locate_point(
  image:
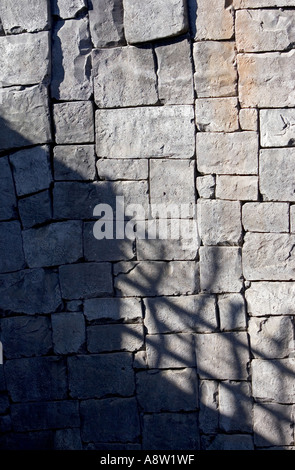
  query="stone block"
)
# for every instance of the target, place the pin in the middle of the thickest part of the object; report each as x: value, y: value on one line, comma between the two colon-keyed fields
x: 217, y: 114
x: 270, y: 298
x: 106, y: 22
x: 162, y: 131
x: 277, y: 185
x: 100, y: 375
x: 11, y: 248
x: 68, y: 332
x: 67, y: 439
x: 71, y: 60
x: 170, y: 351
x: 67, y: 8
x: 213, y: 22
x: 219, y: 222
x: 273, y: 380
x: 36, y: 379
x: 7, y: 191
x: 269, y: 257
x: 167, y: 390
x: 271, y: 337
x: 74, y: 122
x: 180, y: 314
x: 17, y: 51
x: 220, y: 269
x: 261, y: 81
x: 223, y: 356
x: 151, y: 278
x: 233, y: 153
x: 208, y: 414
x: 124, y: 169
x: 82, y: 281
x: 26, y: 336
x: 261, y: 3
x: 107, y: 338
x: 206, y: 186
x: 31, y: 170
x: 175, y: 73
x: 35, y: 209
x: 266, y: 217
x: 155, y: 19
x: 110, y: 420
x: 277, y: 127
x: 74, y: 162
x: 272, y: 424
x: 124, y: 76
x: 248, y: 118
x: 242, y: 188
x: 113, y: 309
x: 216, y: 74
x: 235, y: 406
x: 24, y: 17
x: 25, y: 117
x: 232, y: 312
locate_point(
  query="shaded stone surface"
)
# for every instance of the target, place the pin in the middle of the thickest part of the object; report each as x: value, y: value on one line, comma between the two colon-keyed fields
x: 106, y: 22
x: 24, y: 16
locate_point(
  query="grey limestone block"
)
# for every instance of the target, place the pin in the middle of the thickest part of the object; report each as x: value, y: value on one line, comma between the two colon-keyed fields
x: 270, y: 298
x: 74, y: 122
x: 11, y: 247
x: 106, y: 22
x: 277, y: 127
x: 170, y: 351
x: 266, y: 217
x: 113, y: 309
x: 208, y: 414
x: 68, y: 332
x: 271, y: 423
x: 217, y: 114
x: 122, y: 169
x: 7, y: 191
x: 271, y: 338
x: 232, y: 312
x: 235, y: 406
x: 212, y: 21
x: 35, y: 209
x: 23, y: 16
x: 273, y: 380
x: 67, y: 8
x: 277, y: 185
x: 85, y: 280
x: 234, y: 187
x: 74, y: 162
x: 108, y: 338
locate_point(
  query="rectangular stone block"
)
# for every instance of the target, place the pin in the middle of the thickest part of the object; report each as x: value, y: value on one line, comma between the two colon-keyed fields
x: 270, y: 298
x: 272, y: 425
x: 269, y: 257
x: 74, y: 162
x: 216, y: 74
x: 213, y: 22
x: 106, y: 22
x: 277, y: 185
x: 180, y: 314
x: 107, y: 338
x: 74, y: 122
x: 124, y: 169
x: 232, y: 312
x: 85, y: 280
x: 273, y: 380
x: 277, y: 127
x: 271, y: 337
x: 220, y: 269
x: 155, y: 19
x: 206, y: 186
x: 11, y: 247
x: 208, y: 414
x: 170, y: 351
x: 223, y: 356
x: 217, y: 114
x: 227, y: 154
x: 35, y: 209
x: 261, y: 80
x: 24, y: 16
x: 68, y: 332
x: 7, y: 191
x: 67, y: 8
x: 265, y: 217
x: 145, y: 132
x: 241, y: 188
x: 235, y: 406
x: 113, y: 309
x: 248, y: 118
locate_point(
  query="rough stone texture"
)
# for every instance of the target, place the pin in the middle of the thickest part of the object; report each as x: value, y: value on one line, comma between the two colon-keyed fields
x: 74, y: 122
x: 241, y: 188
x: 208, y: 415
x: 265, y: 217
x: 272, y: 425
x: 24, y: 16
x: 218, y: 24
x: 274, y: 380
x: 68, y: 332
x: 271, y: 337
x: 106, y: 22
x: 11, y: 249
x: 217, y: 114
x: 67, y: 8
x: 170, y: 351
x: 35, y: 209
x: 107, y: 338
x: 105, y: 249
x: 248, y: 118
x: 235, y: 402
x: 111, y: 309
x: 219, y: 222
x: 84, y: 280
x: 232, y: 153
x: 74, y: 162
x: 261, y: 81
x: 277, y: 185
x: 270, y: 298
x: 262, y: 3
x: 124, y: 76
x: 155, y: 19
x: 220, y: 269
x: 7, y: 191
x: 206, y: 186
x: 216, y: 73
x: 232, y: 312
x: 71, y: 60
x: 122, y: 133
x: 277, y: 127
x: 19, y: 50
x: 124, y: 169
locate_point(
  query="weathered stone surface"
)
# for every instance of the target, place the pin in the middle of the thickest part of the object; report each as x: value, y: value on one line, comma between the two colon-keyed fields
x: 223, y: 356
x: 270, y: 298
x: 124, y: 76
x: 7, y: 191
x: 25, y: 117
x: 99, y: 375
x: 180, y: 314
x: 217, y: 114
x: 241, y: 188
x: 262, y: 3
x: 150, y: 278
x: 154, y: 19
x: 261, y: 81
x: 68, y: 332
x: 124, y: 169
x: 220, y: 269
x: 272, y: 424
x: 206, y: 186
x: 74, y: 162
x: 17, y: 51
x: 107, y: 338
x: 53, y: 244
x: 26, y: 336
x: 82, y: 281
x: 35, y: 209
x: 31, y: 170
x: 73, y: 122
x: 232, y: 312
x: 277, y: 127
x: 213, y: 22
x: 67, y: 8
x: 277, y: 185
x: 170, y: 351
x: 113, y: 309
x: 264, y: 30
x: 42, y: 286
x: 208, y: 414
x: 71, y: 60
x: 106, y: 22
x: 123, y: 133
x: 24, y: 16
x: 36, y: 379
x: 232, y: 153
x: 270, y: 337
x: 273, y: 380
x: 11, y: 249
x: 175, y: 73
x: 235, y: 406
x: 110, y: 420
x: 292, y: 219
x: 167, y: 390
x: 216, y: 73
x: 269, y: 256
x: 219, y: 222
x: 266, y: 217
x: 248, y: 118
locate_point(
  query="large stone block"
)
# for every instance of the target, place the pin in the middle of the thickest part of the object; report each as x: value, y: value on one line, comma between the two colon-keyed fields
x: 208, y: 414
x: 270, y: 298
x: 74, y: 122
x: 266, y: 217
x: 35, y: 209
x: 271, y: 337
x: 67, y: 8
x: 266, y: 80
x: 82, y: 281
x: 11, y: 247
x: 217, y: 114
x: 107, y: 338
x: 155, y: 19
x: 68, y: 332
x: 212, y: 21
x: 277, y: 127
x: 123, y: 169
x: 272, y: 425
x: 232, y: 312
x: 113, y: 309
x: 277, y: 185
x: 273, y: 380
x: 71, y: 60
x: 146, y: 132
x: 106, y: 22
x: 24, y: 16
x: 7, y: 191
x: 124, y: 76
x: 220, y: 269
x: 74, y: 162
x: 241, y: 188
x: 17, y: 51
x: 235, y: 406
x: 170, y: 351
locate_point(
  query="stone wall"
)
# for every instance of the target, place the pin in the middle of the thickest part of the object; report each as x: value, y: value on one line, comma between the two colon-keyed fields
x: 139, y: 343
